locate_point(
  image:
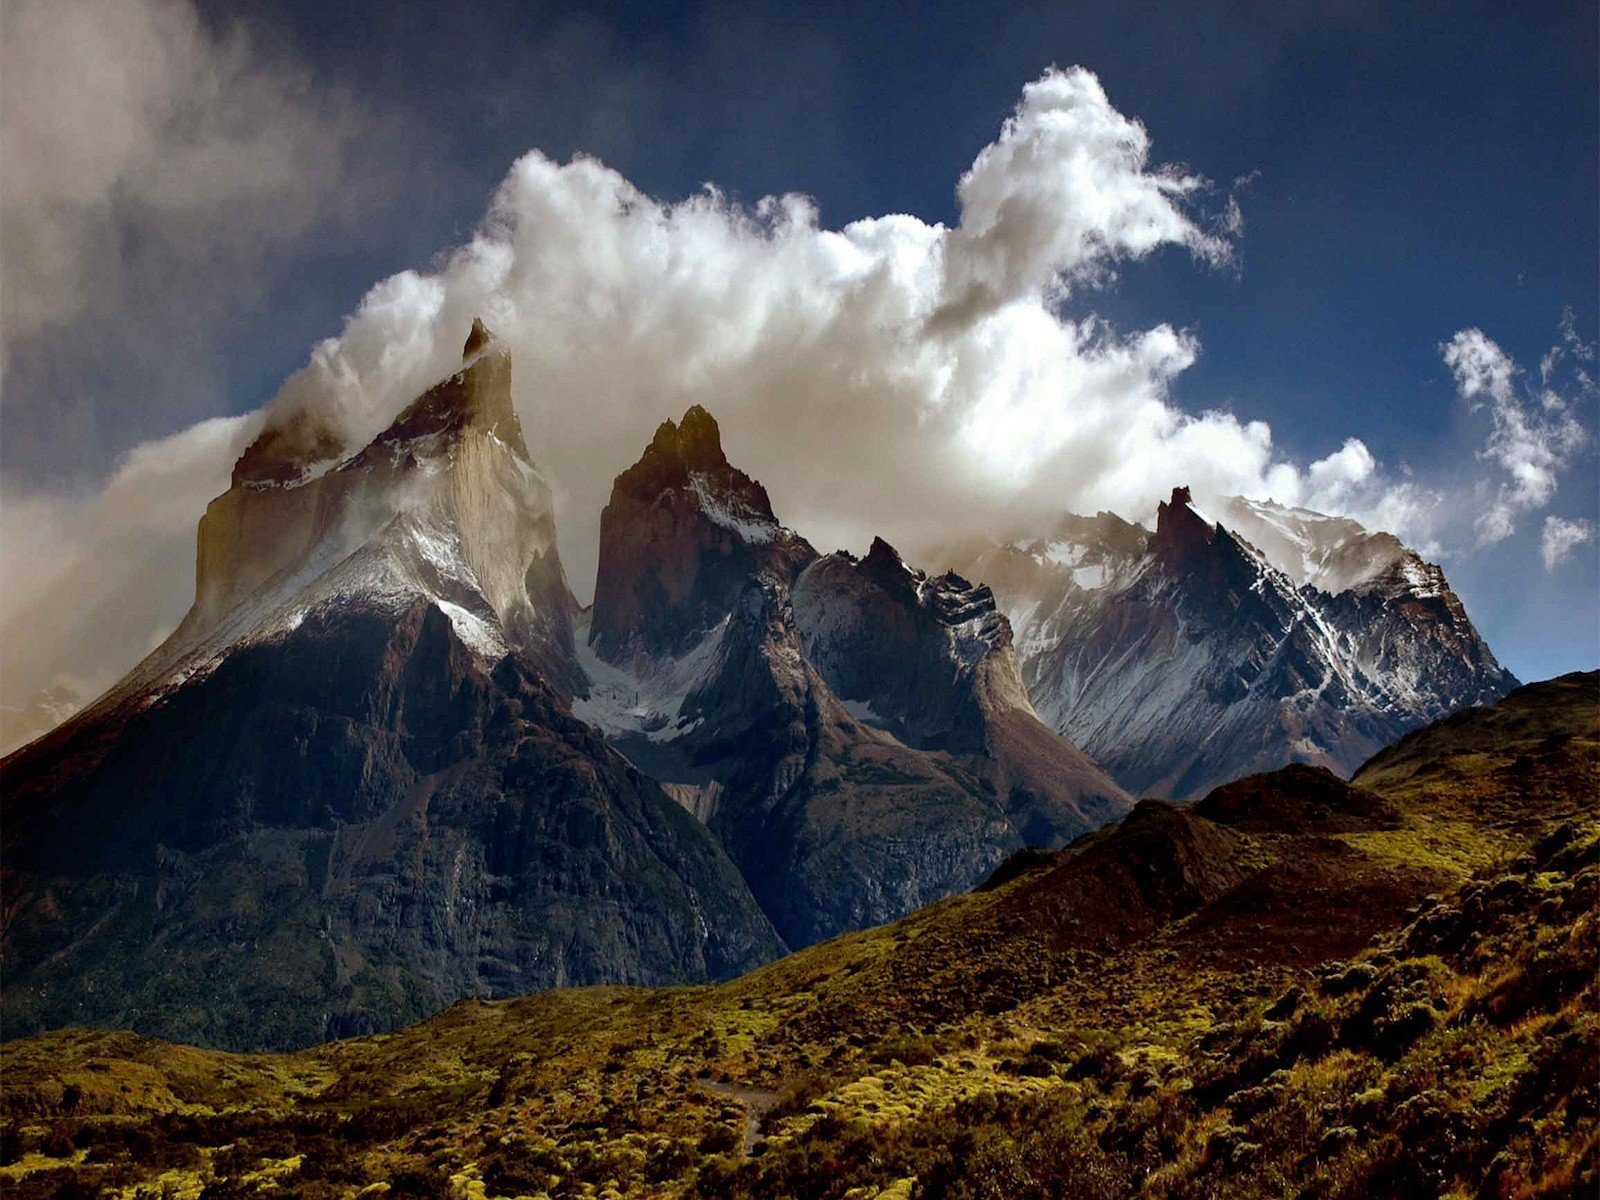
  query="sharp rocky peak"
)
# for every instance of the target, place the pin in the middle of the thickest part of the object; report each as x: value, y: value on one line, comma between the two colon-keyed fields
x: 950, y: 597
x: 683, y: 532
x: 687, y: 453
x: 444, y: 503
x: 477, y: 395
x: 1180, y: 531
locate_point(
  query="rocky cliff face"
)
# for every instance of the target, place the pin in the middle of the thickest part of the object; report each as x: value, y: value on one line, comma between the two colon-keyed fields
x: 1188, y: 656
x: 683, y: 534
x: 445, y: 502
x: 348, y: 791
x: 855, y: 733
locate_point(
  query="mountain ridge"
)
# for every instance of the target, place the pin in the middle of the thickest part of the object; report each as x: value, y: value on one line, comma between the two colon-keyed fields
x: 358, y: 768
x: 1183, y: 657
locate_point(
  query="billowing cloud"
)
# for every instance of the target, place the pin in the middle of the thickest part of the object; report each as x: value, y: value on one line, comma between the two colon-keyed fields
x: 894, y: 376
x: 1561, y: 537
x: 1533, y: 435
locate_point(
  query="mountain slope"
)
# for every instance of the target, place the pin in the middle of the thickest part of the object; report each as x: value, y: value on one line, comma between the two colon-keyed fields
x: 855, y: 733
x: 347, y: 791
x: 1203, y: 1000
x: 1184, y: 657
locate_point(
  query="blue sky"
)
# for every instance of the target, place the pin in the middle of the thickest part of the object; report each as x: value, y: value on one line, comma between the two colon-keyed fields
x: 1404, y: 172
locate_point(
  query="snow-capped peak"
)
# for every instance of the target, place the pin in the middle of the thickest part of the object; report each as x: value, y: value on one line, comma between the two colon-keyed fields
x: 1332, y: 554
x: 443, y: 505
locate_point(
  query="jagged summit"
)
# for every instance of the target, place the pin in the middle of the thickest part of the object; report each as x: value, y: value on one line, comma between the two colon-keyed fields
x: 1187, y: 656
x: 688, y: 454
x: 1180, y: 531
x: 477, y: 396
x: 445, y: 504
x: 291, y: 450
x: 478, y: 338
x: 683, y: 533
x: 953, y: 601
x: 930, y: 655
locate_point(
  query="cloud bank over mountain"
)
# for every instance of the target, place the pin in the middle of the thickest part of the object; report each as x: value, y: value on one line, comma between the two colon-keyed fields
x: 893, y: 376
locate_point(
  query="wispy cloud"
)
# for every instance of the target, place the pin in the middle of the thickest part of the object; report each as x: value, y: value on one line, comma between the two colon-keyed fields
x: 1561, y: 538
x: 1534, y: 432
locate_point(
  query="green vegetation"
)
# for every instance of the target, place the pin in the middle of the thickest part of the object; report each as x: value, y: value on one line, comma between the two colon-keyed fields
x: 1177, y: 1007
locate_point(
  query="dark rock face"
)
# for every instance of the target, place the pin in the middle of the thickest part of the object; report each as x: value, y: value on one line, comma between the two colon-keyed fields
x: 856, y: 734
x: 1184, y: 658
x: 931, y: 658
x: 835, y: 824
x: 929, y: 655
x: 683, y: 534
x: 345, y: 830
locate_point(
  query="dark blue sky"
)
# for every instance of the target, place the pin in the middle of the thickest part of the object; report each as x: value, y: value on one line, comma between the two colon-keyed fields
x: 1408, y: 170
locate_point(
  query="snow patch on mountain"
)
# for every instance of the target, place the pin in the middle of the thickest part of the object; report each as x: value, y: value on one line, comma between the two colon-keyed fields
x: 729, y: 511
x: 645, y: 696
x: 1205, y: 650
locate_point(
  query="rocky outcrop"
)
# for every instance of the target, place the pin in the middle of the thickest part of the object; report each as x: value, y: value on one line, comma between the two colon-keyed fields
x: 856, y: 734
x: 349, y: 792
x: 448, y: 489
x: 682, y: 535
x: 930, y: 656
x: 1186, y: 657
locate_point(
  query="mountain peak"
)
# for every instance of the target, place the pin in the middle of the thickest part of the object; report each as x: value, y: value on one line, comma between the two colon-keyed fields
x: 477, y: 340
x: 1179, y: 529
x: 881, y: 556
x: 683, y: 532
x: 692, y: 444
x: 476, y: 396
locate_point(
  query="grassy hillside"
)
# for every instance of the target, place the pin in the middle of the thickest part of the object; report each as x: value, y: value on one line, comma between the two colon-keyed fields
x: 1296, y: 986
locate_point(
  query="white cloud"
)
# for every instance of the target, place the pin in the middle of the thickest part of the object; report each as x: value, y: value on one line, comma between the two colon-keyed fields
x: 1561, y: 538
x: 1532, y: 438
x: 894, y: 376
x: 1063, y: 194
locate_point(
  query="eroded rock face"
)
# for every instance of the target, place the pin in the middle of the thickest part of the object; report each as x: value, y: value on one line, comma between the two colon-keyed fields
x: 349, y: 791
x: 1187, y: 657
x: 449, y: 489
x: 930, y: 656
x: 683, y: 534
x: 343, y: 830
x: 856, y: 734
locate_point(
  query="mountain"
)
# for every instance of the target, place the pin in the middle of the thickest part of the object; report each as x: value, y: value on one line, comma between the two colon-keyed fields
x: 348, y: 790
x: 1369, y: 990
x: 1187, y: 656
x: 855, y: 732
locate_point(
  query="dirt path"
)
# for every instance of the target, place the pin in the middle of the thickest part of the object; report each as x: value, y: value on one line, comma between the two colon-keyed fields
x: 756, y: 1102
